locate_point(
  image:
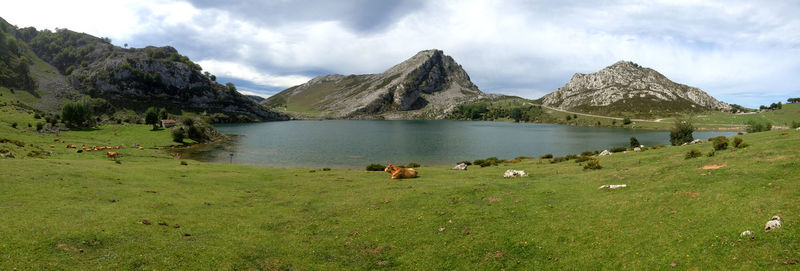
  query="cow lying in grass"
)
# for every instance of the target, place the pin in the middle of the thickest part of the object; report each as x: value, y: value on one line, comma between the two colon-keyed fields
x: 400, y: 173
x: 112, y: 154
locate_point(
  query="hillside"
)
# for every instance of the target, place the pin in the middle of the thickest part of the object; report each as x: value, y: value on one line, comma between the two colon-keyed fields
x: 66, y: 65
x: 68, y: 210
x: 627, y: 89
x: 429, y: 85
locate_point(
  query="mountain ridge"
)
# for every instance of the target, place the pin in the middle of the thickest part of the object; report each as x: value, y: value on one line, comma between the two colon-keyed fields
x: 630, y: 88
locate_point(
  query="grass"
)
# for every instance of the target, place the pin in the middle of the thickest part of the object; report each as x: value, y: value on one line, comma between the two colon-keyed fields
x: 83, y: 211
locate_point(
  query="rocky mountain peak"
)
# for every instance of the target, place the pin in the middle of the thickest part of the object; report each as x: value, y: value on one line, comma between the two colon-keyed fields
x: 629, y: 87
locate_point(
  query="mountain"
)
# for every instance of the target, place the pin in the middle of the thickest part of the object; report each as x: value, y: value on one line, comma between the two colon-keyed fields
x: 625, y: 88
x: 429, y: 85
x: 67, y: 65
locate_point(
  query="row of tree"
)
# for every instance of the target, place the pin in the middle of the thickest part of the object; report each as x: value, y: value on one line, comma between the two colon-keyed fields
x: 773, y: 106
x: 793, y: 100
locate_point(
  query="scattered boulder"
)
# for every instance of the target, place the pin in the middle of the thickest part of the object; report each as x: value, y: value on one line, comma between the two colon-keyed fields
x: 773, y: 224
x: 747, y: 234
x: 461, y: 166
x: 513, y: 173
x: 612, y: 186
x: 605, y: 152
x: 637, y: 149
x: 696, y: 141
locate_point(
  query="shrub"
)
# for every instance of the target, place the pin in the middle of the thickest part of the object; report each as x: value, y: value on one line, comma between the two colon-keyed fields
x: 582, y: 159
x: 739, y: 133
x: 76, y: 113
x: 795, y: 124
x: 570, y: 157
x: 693, y: 153
x: 188, y: 121
x: 756, y: 126
x: 634, y: 142
x: 465, y: 162
x: 737, y: 142
x: 558, y: 160
x: 587, y: 153
x: 151, y: 117
x: 375, y: 167
x: 491, y: 161
x: 412, y: 165
x: 657, y: 147
x: 711, y: 153
x: 326, y: 169
x: 14, y: 125
x: 681, y: 132
x: 183, y: 163
x: 592, y: 164
x: 618, y: 149
x: 39, y: 126
x: 178, y: 135
x: 546, y: 156
x: 626, y: 121
x: 720, y: 143
x: 478, y: 162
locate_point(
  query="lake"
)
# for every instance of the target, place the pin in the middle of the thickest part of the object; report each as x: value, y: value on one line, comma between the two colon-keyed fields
x: 356, y: 143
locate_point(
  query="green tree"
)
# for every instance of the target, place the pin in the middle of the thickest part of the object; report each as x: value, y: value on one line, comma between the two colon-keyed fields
x: 626, y: 121
x: 231, y: 87
x: 516, y: 114
x: 76, y: 114
x: 681, y: 132
x: 634, y: 142
x: 162, y: 114
x: 151, y: 117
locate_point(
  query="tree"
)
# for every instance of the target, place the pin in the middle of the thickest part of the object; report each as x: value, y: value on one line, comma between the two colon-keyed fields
x: 76, y: 114
x: 634, y: 142
x: 162, y: 114
x: 151, y: 117
x: 231, y: 87
x: 516, y: 114
x: 681, y: 132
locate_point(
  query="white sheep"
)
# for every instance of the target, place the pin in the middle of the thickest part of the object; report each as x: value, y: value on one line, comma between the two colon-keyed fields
x: 747, y: 234
x: 773, y: 224
x: 511, y: 173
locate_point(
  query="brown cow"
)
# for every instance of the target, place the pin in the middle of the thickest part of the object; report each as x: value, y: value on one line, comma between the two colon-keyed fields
x: 400, y: 173
x: 112, y: 154
x: 70, y: 146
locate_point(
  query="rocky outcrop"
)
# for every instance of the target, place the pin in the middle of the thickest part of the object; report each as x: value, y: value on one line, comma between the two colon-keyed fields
x: 628, y: 87
x: 428, y: 85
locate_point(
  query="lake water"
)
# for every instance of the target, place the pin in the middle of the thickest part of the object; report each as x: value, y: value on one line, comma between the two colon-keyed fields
x: 356, y: 143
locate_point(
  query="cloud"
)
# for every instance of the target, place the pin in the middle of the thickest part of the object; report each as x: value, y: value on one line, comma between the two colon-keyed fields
x: 735, y: 50
x: 244, y: 72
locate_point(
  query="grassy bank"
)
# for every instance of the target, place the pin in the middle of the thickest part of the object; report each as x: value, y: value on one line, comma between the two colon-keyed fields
x: 69, y: 210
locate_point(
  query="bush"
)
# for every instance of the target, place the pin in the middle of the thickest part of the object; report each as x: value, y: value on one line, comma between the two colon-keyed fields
x: 720, y: 143
x: 634, y: 142
x: 39, y: 126
x: 151, y: 117
x: 756, y: 126
x: 657, y: 147
x: 478, y: 162
x: 326, y: 169
x: 491, y: 161
x: 582, y: 159
x: 626, y: 121
x: 681, y: 132
x: 76, y: 114
x: 711, y: 153
x: 618, y: 149
x: 693, y: 153
x: 587, y: 153
x: 14, y: 125
x: 795, y: 124
x: 413, y: 165
x: 375, y: 167
x: 592, y: 164
x: 558, y: 160
x: 737, y: 142
x: 570, y: 157
x: 178, y: 135
x: 546, y: 156
x: 465, y: 162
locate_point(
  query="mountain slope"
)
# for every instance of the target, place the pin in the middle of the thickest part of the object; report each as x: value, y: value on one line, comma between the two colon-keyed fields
x: 428, y: 85
x: 130, y: 78
x: 626, y: 88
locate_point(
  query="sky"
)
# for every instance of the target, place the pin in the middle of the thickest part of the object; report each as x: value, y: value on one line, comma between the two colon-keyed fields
x: 742, y: 52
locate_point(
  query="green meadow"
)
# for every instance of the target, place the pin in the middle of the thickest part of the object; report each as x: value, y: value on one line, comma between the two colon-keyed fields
x: 66, y: 210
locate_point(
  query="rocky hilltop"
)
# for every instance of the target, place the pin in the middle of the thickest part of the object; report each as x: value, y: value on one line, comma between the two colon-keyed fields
x: 627, y: 88
x: 429, y: 85
x: 129, y: 78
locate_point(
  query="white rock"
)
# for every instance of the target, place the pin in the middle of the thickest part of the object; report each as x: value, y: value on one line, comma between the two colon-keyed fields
x: 773, y: 224
x: 637, y: 149
x: 512, y: 173
x: 747, y: 234
x: 612, y: 186
x: 461, y: 166
x: 605, y: 152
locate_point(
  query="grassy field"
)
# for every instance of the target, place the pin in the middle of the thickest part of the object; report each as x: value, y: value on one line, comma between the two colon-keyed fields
x: 70, y: 210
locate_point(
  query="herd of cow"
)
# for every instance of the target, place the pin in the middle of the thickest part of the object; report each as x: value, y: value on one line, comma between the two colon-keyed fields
x: 84, y: 148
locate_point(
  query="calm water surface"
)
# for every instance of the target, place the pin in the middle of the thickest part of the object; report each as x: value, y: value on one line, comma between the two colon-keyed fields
x: 356, y: 143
